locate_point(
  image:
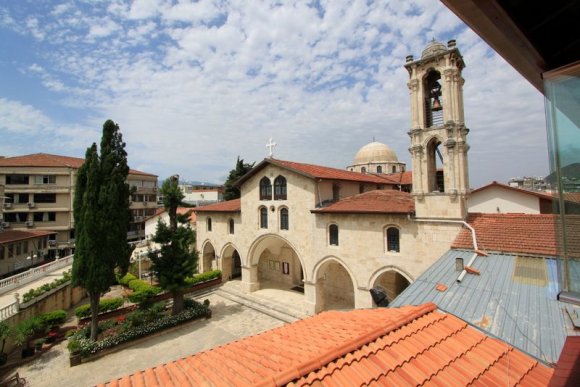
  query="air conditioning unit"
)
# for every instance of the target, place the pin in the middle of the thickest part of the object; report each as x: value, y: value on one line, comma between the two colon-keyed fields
x: 7, y: 205
x: 5, y: 224
x: 154, y: 189
x: 31, y: 205
x: 138, y: 218
x: 145, y: 204
x: 51, y: 242
x: 29, y: 223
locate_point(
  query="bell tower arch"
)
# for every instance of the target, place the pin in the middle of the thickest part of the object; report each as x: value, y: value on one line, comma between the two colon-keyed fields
x: 438, y: 133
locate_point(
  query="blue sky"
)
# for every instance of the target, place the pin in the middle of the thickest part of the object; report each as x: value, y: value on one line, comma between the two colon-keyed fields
x: 195, y: 84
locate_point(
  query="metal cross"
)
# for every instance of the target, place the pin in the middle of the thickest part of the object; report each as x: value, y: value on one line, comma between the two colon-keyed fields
x: 271, y: 146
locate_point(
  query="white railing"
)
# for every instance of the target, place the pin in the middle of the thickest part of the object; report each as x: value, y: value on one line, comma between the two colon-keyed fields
x: 8, y: 311
x: 14, y: 282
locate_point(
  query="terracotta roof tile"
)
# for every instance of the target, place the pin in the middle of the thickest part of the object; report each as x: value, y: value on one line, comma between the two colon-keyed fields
x: 411, y: 345
x: 541, y: 195
x: 8, y: 236
x: 319, y: 172
x: 49, y: 160
x: 377, y: 201
x: 402, y: 178
x: 533, y: 234
x: 227, y: 206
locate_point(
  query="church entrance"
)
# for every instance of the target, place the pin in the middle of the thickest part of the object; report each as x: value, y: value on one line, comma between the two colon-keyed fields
x: 392, y: 282
x: 208, y: 258
x: 231, y: 264
x: 334, y: 287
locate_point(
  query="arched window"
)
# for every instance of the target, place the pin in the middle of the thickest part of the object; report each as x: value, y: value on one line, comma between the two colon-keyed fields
x: 265, y: 189
x: 394, y: 169
x: 284, y: 221
x: 363, y: 170
x: 231, y: 226
x: 379, y: 169
x: 208, y: 224
x: 263, y: 217
x: 435, y: 175
x: 393, y: 244
x: 280, y: 188
x: 333, y: 235
x: 433, y: 100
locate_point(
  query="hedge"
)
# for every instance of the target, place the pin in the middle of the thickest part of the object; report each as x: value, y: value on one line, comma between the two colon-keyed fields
x: 105, y: 305
x: 37, y: 292
x: 126, y: 279
x: 207, y: 276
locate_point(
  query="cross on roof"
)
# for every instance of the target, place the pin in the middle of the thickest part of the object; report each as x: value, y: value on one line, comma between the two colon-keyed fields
x: 270, y: 145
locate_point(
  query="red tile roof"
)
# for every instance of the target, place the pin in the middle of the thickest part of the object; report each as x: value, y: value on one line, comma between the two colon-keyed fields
x: 403, y: 178
x: 8, y: 236
x: 533, y: 234
x: 48, y: 160
x: 411, y: 345
x: 567, y: 371
x: 541, y: 195
x: 377, y: 201
x: 319, y: 172
x: 227, y: 206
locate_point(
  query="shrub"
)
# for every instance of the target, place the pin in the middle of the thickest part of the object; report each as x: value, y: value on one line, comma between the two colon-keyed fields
x: 105, y: 305
x: 207, y: 276
x: 126, y: 279
x: 50, y: 319
x: 33, y: 293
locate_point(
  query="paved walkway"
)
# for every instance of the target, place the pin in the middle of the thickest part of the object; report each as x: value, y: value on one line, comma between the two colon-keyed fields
x: 230, y: 321
x: 8, y: 298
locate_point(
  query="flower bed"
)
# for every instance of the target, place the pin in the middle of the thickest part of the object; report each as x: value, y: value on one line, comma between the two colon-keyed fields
x: 115, y: 334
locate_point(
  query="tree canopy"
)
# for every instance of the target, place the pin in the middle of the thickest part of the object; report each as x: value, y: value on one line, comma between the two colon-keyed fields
x: 102, y: 215
x: 231, y: 192
x: 176, y: 258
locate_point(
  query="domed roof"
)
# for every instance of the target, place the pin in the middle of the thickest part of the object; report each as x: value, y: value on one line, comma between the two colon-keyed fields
x: 433, y: 48
x: 375, y: 152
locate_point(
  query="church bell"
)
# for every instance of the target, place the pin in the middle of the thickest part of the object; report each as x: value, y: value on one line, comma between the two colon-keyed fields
x: 436, y: 105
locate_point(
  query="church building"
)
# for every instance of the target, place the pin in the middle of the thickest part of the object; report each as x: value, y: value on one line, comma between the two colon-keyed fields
x: 334, y: 234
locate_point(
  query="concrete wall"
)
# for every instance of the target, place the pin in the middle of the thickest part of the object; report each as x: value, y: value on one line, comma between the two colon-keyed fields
x: 494, y: 200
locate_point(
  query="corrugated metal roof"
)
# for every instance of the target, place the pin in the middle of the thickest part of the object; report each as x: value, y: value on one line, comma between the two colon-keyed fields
x: 524, y: 313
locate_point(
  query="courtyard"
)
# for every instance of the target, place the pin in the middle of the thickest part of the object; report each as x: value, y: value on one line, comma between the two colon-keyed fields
x: 230, y: 321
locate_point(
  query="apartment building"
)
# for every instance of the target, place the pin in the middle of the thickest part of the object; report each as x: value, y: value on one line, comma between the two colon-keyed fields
x: 39, y: 192
x: 202, y: 194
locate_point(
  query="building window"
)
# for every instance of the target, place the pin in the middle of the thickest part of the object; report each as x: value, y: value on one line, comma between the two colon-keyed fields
x: 44, y: 198
x: 44, y: 216
x: 1, y: 252
x: 208, y: 224
x: 335, y: 192
x: 280, y: 188
x: 16, y: 179
x: 284, y: 221
x: 394, y: 169
x: 333, y: 235
x: 363, y: 170
x: 231, y: 226
x: 265, y: 189
x: 393, y: 244
x: 46, y: 179
x: 263, y: 217
x: 379, y: 169
x: 11, y: 250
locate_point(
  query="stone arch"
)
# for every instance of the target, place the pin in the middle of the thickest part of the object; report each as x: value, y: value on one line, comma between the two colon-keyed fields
x: 435, y: 175
x: 274, y: 262
x: 231, y: 262
x: 208, y: 255
x: 335, y: 285
x: 392, y: 279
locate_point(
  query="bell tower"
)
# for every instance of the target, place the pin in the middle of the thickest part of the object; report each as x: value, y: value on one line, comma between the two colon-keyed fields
x: 438, y: 133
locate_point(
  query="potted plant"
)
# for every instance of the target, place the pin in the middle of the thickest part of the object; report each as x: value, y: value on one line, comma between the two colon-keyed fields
x: 75, y: 352
x: 38, y: 343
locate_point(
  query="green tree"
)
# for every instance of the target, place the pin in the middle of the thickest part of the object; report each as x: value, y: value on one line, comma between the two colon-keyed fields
x: 231, y: 192
x: 176, y: 259
x: 102, y: 215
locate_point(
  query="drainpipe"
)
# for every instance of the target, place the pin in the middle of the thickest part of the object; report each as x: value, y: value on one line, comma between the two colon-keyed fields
x: 465, y: 224
x: 318, y: 189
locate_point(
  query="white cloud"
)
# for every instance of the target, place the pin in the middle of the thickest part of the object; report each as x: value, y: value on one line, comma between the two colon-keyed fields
x: 191, y: 96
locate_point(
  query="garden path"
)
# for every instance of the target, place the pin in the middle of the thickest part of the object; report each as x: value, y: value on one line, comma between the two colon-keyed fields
x: 230, y: 321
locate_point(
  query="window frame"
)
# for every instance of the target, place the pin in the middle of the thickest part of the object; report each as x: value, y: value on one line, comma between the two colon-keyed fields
x: 333, y: 236
x: 284, y: 219
x: 263, y: 217
x: 265, y: 189
x: 389, y: 242
x: 208, y: 224
x: 231, y: 226
x: 280, y: 188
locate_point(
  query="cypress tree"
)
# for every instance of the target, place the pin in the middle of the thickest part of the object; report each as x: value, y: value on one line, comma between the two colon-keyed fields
x: 177, y: 258
x: 101, y: 213
x: 231, y: 192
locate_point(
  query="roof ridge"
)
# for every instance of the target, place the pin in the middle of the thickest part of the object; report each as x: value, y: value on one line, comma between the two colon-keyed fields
x: 316, y: 363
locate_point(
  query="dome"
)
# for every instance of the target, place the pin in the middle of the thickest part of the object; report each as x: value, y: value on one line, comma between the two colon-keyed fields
x: 375, y: 152
x: 433, y: 48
